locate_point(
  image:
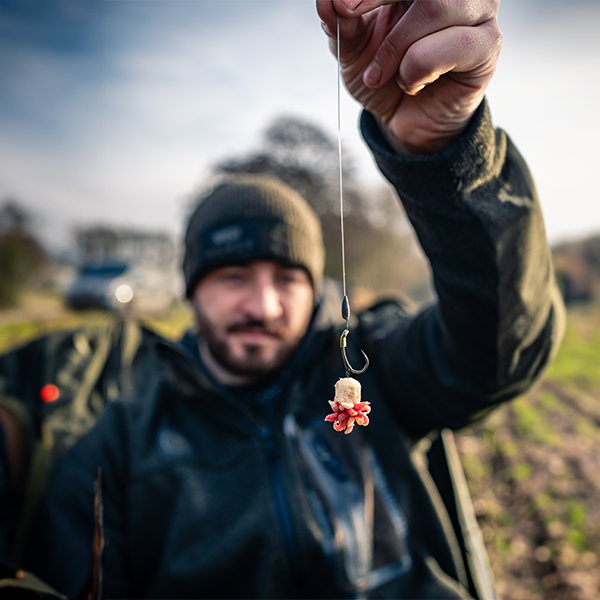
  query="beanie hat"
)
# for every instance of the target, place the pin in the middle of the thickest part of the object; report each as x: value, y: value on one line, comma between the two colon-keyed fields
x: 253, y: 218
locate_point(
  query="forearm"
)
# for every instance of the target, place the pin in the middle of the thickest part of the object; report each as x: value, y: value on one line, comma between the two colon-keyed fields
x: 498, y: 318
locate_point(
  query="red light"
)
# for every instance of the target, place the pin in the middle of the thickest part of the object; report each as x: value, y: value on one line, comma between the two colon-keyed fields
x: 49, y: 393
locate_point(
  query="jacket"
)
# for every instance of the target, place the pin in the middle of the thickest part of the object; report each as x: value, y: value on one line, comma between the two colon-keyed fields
x: 219, y: 492
x: 83, y: 368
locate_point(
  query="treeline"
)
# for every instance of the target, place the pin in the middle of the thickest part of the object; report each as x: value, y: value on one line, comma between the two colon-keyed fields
x: 23, y: 260
x: 25, y: 263
x: 577, y: 266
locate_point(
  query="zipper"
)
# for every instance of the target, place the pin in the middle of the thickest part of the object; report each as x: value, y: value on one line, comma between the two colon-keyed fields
x: 282, y: 506
x: 257, y: 426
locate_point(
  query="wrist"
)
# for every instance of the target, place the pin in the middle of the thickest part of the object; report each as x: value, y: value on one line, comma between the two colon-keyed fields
x: 422, y: 144
x: 469, y: 159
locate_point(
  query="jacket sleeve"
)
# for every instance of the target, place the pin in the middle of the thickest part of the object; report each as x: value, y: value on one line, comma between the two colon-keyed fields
x: 61, y: 548
x: 499, y: 317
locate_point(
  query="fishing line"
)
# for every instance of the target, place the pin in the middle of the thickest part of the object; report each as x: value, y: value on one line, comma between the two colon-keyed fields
x: 345, y: 301
x: 339, y: 126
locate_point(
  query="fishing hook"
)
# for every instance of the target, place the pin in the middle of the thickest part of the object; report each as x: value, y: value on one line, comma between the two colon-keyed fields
x: 347, y: 365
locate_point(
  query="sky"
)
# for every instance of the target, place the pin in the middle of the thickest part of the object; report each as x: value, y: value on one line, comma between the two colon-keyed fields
x: 113, y: 111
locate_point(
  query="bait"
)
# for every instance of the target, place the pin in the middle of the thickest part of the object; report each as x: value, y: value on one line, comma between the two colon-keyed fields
x: 348, y: 410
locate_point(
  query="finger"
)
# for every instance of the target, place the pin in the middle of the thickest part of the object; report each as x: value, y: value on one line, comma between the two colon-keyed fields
x: 354, y: 8
x: 350, y: 29
x: 424, y: 18
x: 355, y: 34
x: 330, y: 10
x: 469, y: 53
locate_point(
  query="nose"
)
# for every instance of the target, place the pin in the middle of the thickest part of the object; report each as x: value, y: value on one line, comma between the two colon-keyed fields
x: 263, y: 302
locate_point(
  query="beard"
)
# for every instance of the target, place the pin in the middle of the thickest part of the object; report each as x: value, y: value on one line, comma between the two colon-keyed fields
x: 254, y: 361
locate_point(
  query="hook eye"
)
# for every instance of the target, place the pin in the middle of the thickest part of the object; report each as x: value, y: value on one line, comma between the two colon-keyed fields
x: 347, y: 364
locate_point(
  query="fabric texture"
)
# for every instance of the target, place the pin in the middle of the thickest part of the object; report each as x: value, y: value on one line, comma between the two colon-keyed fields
x: 208, y: 496
x: 88, y: 367
x: 250, y: 218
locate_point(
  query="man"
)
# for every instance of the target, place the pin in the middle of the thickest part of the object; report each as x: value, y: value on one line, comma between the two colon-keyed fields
x: 223, y: 479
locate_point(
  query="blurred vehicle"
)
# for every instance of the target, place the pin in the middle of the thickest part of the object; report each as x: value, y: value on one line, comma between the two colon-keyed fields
x: 122, y: 287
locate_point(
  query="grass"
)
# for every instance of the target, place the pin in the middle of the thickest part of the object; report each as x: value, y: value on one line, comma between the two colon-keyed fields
x: 578, y: 359
x: 532, y: 423
x: 538, y: 459
x: 43, y: 313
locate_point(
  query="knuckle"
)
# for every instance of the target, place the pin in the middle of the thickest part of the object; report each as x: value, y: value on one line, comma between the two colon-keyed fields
x: 390, y: 53
x: 490, y: 9
x: 493, y: 33
x: 432, y: 10
x: 494, y: 5
x: 499, y: 40
x: 472, y: 10
x: 469, y: 40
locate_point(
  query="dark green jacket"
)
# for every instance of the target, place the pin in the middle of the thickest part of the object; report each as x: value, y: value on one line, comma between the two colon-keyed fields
x: 88, y: 367
x: 210, y: 492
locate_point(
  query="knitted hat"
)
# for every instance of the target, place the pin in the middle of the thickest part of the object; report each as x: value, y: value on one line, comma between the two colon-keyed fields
x: 253, y: 218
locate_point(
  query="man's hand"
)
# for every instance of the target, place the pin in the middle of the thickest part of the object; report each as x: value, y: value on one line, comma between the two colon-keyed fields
x: 420, y: 67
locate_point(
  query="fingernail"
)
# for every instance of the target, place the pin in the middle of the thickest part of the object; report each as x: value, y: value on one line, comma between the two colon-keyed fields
x: 351, y: 4
x: 373, y: 74
x: 326, y: 29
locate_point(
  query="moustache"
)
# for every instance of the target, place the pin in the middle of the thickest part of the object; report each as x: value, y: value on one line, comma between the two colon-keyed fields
x: 268, y: 327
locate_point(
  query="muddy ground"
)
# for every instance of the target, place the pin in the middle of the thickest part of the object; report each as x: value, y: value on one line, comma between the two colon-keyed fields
x: 533, y: 469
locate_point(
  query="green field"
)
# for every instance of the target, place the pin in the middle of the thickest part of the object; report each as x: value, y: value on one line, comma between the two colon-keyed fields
x: 43, y: 313
x: 533, y: 466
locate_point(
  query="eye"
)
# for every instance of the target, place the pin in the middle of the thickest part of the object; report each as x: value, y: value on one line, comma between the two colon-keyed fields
x: 287, y: 278
x: 290, y: 276
x: 232, y: 274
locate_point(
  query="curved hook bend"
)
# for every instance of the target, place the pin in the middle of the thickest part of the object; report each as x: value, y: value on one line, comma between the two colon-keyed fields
x: 347, y: 365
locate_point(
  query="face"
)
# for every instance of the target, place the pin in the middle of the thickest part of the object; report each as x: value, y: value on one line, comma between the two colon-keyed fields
x: 251, y: 318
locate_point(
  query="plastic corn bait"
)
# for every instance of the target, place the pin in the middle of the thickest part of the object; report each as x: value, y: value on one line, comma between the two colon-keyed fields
x: 348, y: 410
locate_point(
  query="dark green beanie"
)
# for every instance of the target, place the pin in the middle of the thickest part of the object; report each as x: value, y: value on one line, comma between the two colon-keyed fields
x: 253, y: 218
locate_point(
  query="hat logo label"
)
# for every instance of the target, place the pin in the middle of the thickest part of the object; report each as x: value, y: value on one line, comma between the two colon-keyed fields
x: 227, y: 235
x: 279, y: 240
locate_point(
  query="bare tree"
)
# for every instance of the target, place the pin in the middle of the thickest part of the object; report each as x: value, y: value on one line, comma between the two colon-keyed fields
x: 381, y: 250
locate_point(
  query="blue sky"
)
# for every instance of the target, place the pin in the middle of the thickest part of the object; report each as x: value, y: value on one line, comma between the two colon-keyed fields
x: 114, y: 110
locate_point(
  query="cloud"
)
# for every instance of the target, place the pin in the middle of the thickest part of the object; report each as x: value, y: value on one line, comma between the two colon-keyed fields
x: 114, y: 110
x: 106, y: 134
x: 545, y: 96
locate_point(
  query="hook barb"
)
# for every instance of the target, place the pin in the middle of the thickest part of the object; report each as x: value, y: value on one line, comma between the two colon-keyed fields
x: 347, y: 364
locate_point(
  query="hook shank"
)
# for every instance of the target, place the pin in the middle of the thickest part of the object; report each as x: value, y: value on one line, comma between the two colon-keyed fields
x: 347, y: 364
